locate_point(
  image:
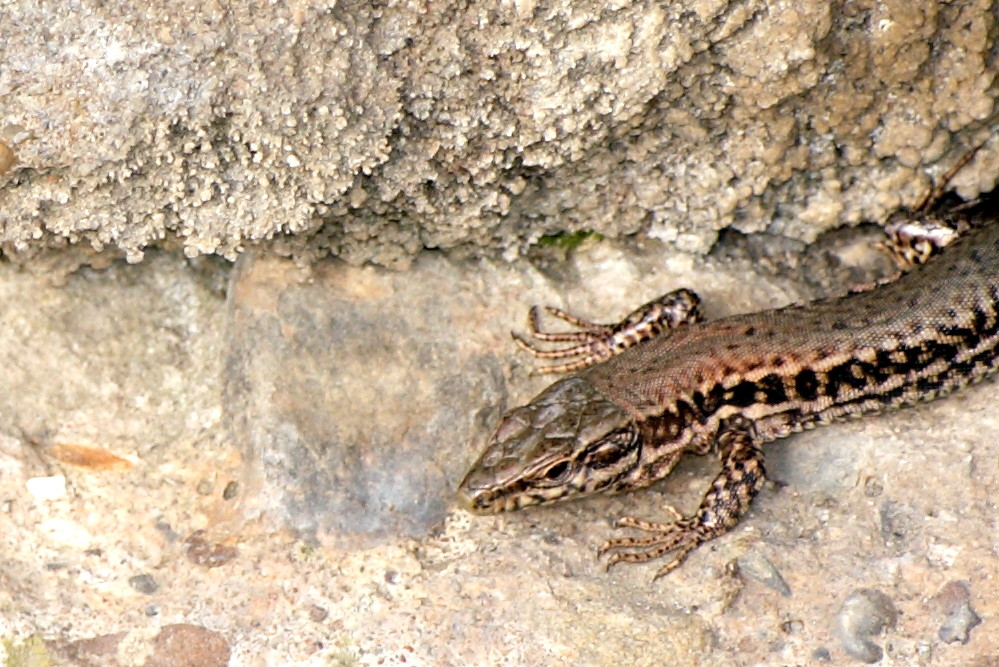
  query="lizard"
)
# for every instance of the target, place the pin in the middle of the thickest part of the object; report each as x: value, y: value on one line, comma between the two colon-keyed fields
x: 664, y: 382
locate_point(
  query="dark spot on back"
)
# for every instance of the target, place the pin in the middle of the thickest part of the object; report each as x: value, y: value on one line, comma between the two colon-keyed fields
x: 806, y: 384
x: 773, y: 388
x: 741, y: 395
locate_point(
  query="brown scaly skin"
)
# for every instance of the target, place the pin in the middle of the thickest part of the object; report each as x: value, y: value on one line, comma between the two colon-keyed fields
x: 732, y: 385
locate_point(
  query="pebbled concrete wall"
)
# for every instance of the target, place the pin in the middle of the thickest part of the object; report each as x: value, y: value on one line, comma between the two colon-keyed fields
x: 373, y: 130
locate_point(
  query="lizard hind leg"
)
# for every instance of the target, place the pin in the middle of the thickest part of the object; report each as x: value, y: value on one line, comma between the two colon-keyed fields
x: 594, y: 342
x: 741, y: 478
x: 916, y: 235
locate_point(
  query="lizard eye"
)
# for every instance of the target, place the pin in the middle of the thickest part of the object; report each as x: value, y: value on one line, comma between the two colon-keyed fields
x: 557, y: 472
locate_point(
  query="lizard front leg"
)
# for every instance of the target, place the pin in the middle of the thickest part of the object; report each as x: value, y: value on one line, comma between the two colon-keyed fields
x: 741, y: 478
x: 598, y: 342
x: 914, y: 236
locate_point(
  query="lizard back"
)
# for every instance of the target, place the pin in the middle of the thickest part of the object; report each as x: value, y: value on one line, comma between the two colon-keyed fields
x: 933, y: 330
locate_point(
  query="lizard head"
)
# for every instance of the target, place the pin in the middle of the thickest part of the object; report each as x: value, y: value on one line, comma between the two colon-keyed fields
x: 568, y: 442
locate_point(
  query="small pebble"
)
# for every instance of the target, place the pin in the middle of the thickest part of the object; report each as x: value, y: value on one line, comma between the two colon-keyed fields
x: 758, y: 568
x: 230, y: 491
x: 47, y: 488
x: 6, y: 158
x: 954, y: 601
x: 865, y: 614
x: 186, y: 644
x: 821, y: 655
x: 166, y: 530
x: 143, y: 583
x: 317, y: 613
x: 207, y: 554
x: 873, y: 488
x: 899, y: 522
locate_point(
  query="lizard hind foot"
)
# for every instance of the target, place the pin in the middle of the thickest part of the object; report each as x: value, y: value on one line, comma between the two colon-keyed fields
x: 913, y: 236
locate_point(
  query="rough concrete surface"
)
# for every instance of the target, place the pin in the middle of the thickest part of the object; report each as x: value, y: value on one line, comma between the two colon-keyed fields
x: 206, y: 462
x: 374, y: 130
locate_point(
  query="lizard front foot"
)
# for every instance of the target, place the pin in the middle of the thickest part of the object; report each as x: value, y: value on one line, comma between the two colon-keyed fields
x: 741, y: 478
x: 598, y: 342
x: 680, y: 536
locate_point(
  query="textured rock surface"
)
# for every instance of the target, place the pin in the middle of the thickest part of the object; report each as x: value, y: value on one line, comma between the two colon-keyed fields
x: 133, y: 517
x: 261, y: 458
x: 375, y: 130
x: 354, y: 391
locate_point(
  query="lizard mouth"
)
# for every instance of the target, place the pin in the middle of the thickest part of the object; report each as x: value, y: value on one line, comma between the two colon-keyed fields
x: 484, y: 496
x: 495, y: 500
x: 474, y: 500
